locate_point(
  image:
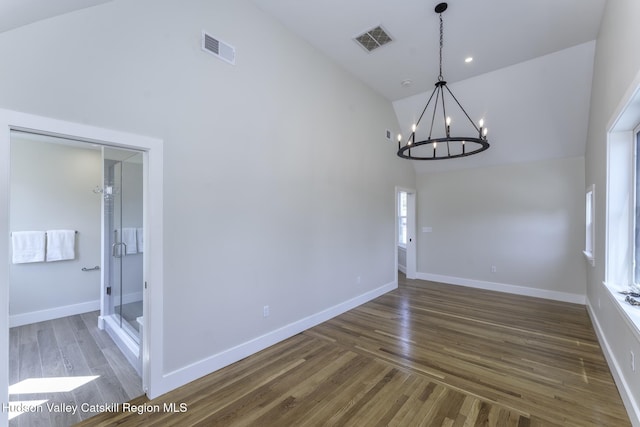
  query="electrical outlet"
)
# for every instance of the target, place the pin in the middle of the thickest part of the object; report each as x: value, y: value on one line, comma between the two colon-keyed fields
x: 265, y: 311
x: 632, y: 358
x: 493, y: 269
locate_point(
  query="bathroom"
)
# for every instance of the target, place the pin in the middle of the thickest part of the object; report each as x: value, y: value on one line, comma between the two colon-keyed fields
x: 97, y: 192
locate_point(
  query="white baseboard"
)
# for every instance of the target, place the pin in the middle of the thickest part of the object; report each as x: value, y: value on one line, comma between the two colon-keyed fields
x: 623, y: 387
x: 402, y: 268
x: 502, y: 287
x: 182, y: 376
x: 53, y: 313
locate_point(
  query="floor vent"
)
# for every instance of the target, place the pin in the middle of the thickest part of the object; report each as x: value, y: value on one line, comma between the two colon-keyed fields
x: 218, y: 48
x: 373, y: 39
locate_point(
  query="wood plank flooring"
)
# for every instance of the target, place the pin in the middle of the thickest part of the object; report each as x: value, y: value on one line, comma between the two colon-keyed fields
x: 68, y: 347
x: 425, y: 354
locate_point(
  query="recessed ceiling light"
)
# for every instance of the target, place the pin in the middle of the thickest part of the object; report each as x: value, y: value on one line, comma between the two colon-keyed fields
x: 468, y: 59
x: 406, y: 83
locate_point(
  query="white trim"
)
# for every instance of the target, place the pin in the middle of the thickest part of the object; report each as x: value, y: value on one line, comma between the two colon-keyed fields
x: 629, y: 313
x: 153, y: 307
x: 128, y: 347
x: 412, y: 235
x: 411, y: 246
x: 153, y: 229
x: 589, y: 257
x: 53, y: 313
x: 4, y: 266
x: 621, y: 138
x: 631, y: 95
x: 210, y: 364
x: 590, y: 224
x: 633, y: 411
x: 502, y: 287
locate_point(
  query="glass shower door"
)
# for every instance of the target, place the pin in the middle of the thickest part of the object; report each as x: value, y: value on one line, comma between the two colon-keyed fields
x: 124, y: 226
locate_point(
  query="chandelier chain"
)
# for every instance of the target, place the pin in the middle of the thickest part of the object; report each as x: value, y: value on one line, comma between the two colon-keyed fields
x: 440, y: 77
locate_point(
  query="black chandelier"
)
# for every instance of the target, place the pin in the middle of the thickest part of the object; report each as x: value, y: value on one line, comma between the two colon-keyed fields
x: 436, y: 147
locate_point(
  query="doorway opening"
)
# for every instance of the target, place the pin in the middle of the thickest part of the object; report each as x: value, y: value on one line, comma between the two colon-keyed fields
x: 154, y: 382
x: 55, y: 300
x: 405, y: 204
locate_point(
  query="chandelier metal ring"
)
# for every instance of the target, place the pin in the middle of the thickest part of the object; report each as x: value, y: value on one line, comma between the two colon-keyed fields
x: 477, y: 145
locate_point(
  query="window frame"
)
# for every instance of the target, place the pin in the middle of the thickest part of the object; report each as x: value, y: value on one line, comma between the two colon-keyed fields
x: 634, y: 227
x: 589, y: 232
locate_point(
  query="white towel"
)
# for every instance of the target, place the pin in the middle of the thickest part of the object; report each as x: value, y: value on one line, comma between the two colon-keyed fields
x: 140, y: 239
x: 129, y: 239
x: 61, y: 245
x: 28, y: 246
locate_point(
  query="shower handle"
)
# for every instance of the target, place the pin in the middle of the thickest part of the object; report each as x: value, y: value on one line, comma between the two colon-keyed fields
x: 118, y: 254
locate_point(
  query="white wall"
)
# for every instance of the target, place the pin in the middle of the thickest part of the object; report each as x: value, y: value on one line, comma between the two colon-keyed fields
x: 525, y: 219
x: 51, y: 188
x: 279, y: 184
x: 617, y: 63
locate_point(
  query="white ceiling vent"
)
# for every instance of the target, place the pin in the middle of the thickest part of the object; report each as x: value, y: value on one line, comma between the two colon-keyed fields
x: 217, y: 47
x: 373, y: 39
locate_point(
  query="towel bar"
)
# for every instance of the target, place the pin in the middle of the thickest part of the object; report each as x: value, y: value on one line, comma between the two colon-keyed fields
x: 45, y: 233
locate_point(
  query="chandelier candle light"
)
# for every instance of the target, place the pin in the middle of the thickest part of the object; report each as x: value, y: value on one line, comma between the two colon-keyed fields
x: 451, y: 146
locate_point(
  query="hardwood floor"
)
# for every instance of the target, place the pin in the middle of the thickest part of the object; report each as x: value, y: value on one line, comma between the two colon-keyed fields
x: 69, y: 347
x: 425, y: 354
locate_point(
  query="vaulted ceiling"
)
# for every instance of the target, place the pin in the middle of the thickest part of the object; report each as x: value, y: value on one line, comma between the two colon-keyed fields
x: 496, y: 33
x: 16, y: 13
x: 530, y: 77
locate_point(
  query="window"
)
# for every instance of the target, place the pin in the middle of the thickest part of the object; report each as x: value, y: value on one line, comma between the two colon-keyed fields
x: 402, y: 219
x: 622, y: 214
x: 589, y: 224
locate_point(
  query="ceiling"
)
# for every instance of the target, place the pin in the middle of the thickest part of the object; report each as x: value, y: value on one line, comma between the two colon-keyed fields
x: 16, y: 13
x: 496, y: 33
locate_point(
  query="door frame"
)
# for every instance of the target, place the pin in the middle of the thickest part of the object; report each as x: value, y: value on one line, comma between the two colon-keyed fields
x: 152, y: 148
x: 411, y: 246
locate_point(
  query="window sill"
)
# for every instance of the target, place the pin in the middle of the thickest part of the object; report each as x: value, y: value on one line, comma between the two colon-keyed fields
x: 590, y: 258
x: 630, y: 313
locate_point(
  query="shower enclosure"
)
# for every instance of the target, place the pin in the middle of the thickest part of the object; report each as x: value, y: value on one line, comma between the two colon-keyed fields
x: 123, y: 250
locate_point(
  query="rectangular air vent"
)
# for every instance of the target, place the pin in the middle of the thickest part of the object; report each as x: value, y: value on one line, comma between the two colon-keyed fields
x: 373, y: 39
x: 218, y: 48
